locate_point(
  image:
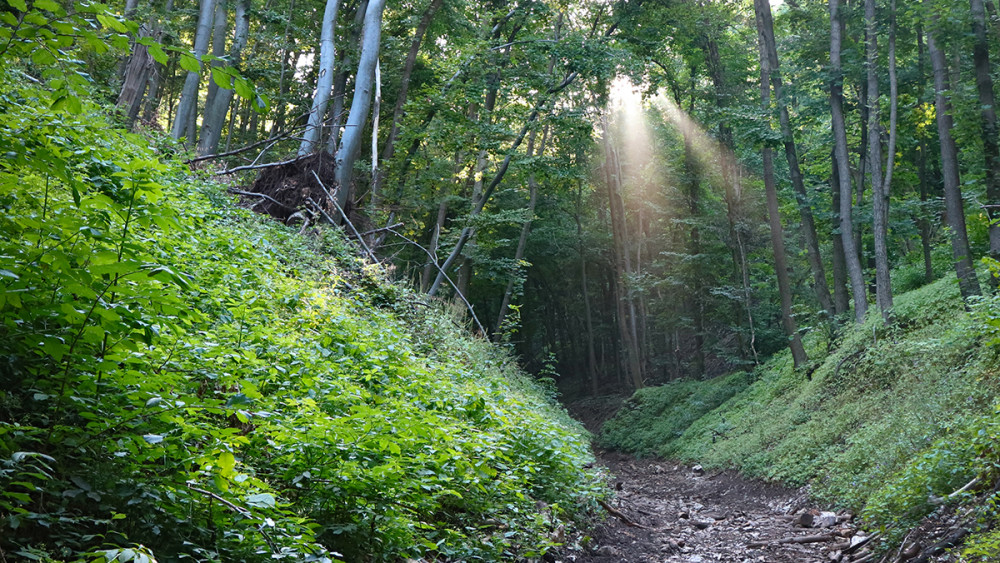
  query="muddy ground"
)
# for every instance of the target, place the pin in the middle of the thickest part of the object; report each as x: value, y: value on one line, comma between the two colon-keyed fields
x: 672, y: 513
x: 666, y: 512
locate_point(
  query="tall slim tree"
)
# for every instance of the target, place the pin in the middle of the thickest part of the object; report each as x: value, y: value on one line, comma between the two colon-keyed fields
x: 218, y: 107
x: 765, y: 31
x: 990, y: 130
x: 799, y: 356
x: 841, y: 161
x: 350, y: 147
x: 188, y: 105
x: 324, y: 80
x: 966, y: 272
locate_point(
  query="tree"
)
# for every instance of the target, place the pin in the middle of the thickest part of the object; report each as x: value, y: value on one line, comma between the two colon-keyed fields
x: 962, y: 254
x: 841, y: 161
x: 218, y: 107
x: 799, y: 357
x: 990, y: 130
x: 187, y: 107
x: 324, y: 80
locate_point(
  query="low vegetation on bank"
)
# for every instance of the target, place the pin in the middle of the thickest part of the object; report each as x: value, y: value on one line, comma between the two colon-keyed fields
x: 181, y: 379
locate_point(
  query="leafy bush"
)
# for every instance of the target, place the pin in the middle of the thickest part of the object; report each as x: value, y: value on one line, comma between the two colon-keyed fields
x: 181, y: 379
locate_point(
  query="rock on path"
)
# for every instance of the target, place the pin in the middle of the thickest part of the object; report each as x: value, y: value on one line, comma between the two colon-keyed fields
x: 688, y: 516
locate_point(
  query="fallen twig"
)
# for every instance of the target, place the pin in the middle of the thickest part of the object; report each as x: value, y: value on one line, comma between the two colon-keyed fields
x: 795, y: 539
x: 343, y: 215
x: 234, y: 152
x: 941, y: 500
x: 617, y: 514
x: 262, y: 166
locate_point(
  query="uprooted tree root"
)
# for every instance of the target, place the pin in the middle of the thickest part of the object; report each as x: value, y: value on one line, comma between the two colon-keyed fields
x: 284, y: 190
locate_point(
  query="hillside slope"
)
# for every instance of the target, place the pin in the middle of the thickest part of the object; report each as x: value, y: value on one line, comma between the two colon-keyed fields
x: 890, y: 420
x: 182, y: 379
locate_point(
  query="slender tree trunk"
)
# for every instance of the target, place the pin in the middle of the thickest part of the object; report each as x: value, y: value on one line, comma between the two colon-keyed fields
x: 215, y: 114
x: 990, y: 130
x: 350, y: 147
x: 841, y: 297
x: 218, y: 47
x: 799, y: 357
x: 189, y: 95
x: 966, y: 272
x: 854, y: 271
x: 766, y: 32
x: 340, y: 81
x: 617, y: 213
x: 404, y: 81
x: 585, y: 290
x: 324, y: 80
x: 880, y: 189
x: 525, y: 231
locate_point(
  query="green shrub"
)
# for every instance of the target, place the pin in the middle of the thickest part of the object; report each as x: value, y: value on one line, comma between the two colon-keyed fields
x: 181, y: 378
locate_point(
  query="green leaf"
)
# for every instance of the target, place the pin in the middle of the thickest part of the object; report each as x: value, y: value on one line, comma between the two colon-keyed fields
x: 221, y: 78
x: 261, y: 500
x: 49, y: 5
x: 243, y: 88
x: 19, y: 5
x: 156, y: 51
x: 227, y: 463
x: 189, y: 63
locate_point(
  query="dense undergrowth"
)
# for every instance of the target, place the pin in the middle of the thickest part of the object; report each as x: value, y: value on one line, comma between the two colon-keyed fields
x: 181, y: 379
x: 893, y: 418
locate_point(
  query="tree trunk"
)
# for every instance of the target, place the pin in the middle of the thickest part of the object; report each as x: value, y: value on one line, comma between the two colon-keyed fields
x: 189, y: 94
x: 765, y: 27
x: 340, y: 80
x: 799, y: 357
x: 350, y: 147
x: 853, y: 263
x: 404, y: 81
x: 525, y: 231
x: 585, y: 291
x: 215, y: 114
x: 218, y: 48
x: 617, y: 212
x: 966, y: 272
x: 880, y: 188
x: 324, y: 80
x: 990, y: 131
x: 841, y: 298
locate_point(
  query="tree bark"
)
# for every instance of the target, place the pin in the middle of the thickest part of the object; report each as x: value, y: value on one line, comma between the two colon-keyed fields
x: 841, y: 297
x: 799, y: 357
x: 218, y: 49
x: 966, y: 272
x: 880, y: 187
x: 990, y: 130
x: 215, y: 114
x: 350, y: 147
x: 853, y: 263
x: 766, y: 32
x: 324, y: 80
x: 189, y: 94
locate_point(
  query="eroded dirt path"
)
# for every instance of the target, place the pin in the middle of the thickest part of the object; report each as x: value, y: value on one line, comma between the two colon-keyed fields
x: 688, y: 516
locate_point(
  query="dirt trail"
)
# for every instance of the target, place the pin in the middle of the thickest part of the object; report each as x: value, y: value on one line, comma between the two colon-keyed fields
x: 688, y: 516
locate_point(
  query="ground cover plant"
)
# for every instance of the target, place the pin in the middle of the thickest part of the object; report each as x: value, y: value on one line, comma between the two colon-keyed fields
x: 891, y: 420
x: 183, y: 380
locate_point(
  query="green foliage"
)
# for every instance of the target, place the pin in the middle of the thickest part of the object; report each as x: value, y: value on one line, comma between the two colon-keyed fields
x: 180, y: 379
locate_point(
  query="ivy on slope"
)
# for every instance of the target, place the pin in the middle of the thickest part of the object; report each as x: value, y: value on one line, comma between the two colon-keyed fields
x: 181, y: 380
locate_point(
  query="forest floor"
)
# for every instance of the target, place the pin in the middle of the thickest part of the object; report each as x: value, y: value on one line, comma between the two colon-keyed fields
x: 666, y: 512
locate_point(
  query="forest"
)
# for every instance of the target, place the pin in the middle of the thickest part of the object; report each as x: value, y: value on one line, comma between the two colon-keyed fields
x: 318, y: 280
